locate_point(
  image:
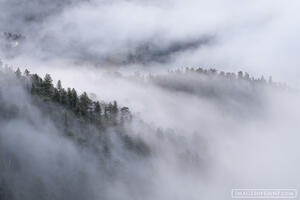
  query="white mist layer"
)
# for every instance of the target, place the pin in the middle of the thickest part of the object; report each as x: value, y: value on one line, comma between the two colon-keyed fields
x: 229, y: 145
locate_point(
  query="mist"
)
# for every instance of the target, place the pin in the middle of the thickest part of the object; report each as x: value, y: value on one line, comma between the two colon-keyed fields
x: 197, y: 136
x: 258, y: 37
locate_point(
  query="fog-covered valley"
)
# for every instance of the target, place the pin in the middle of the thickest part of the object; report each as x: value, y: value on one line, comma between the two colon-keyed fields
x: 162, y: 99
x: 195, y: 143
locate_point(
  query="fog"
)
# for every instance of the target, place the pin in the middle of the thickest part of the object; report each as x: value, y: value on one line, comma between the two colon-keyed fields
x: 205, y: 139
x: 213, y: 147
x: 259, y: 37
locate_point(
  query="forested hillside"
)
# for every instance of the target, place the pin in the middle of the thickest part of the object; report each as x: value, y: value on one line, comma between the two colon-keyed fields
x: 34, y: 112
x: 58, y: 144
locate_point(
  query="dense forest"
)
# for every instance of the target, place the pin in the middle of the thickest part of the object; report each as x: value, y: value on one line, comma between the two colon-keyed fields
x: 102, y: 115
x: 53, y: 111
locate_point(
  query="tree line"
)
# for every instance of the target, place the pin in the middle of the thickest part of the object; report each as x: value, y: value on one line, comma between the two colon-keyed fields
x: 79, y: 104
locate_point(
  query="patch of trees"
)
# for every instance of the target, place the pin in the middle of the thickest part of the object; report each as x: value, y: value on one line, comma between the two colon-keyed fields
x: 81, y: 105
x: 226, y: 75
x: 210, y: 82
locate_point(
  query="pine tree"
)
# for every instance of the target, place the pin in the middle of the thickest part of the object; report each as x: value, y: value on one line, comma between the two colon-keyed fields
x: 18, y: 73
x: 69, y: 96
x: 26, y: 73
x: 262, y: 79
x: 74, y: 99
x: 97, y: 107
x: 56, y: 95
x: 247, y: 76
x: 36, y: 80
x: 107, y: 111
x: 98, y: 116
x: 84, y: 103
x: 240, y: 75
x: 63, y: 97
x: 36, y: 84
x: 58, y: 85
x: 47, y: 85
x: 114, y: 109
x: 125, y: 114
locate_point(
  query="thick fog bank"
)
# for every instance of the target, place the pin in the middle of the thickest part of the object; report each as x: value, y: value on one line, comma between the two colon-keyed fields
x: 260, y: 37
x: 191, y: 137
x: 202, y: 144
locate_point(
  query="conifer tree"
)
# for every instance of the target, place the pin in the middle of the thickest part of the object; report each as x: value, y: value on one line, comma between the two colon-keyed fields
x: 247, y: 76
x: 26, y: 73
x: 69, y: 96
x: 84, y: 103
x: 63, y: 97
x: 56, y: 95
x: 18, y: 73
x: 58, y: 85
x: 47, y: 85
x: 97, y: 107
x: 74, y: 99
x: 240, y: 75
x: 36, y: 80
x: 114, y: 108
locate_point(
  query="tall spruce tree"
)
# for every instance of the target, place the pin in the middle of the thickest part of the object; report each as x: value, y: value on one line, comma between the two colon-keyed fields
x: 47, y: 85
x: 56, y: 95
x: 58, y: 85
x: 97, y: 108
x: 84, y: 103
x: 74, y: 100
x: 63, y: 97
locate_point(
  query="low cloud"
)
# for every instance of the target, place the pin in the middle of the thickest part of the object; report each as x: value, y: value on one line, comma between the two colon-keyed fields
x: 207, y: 136
x: 259, y: 37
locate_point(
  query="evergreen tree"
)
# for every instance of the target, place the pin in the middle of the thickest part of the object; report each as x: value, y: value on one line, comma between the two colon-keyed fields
x: 97, y: 107
x: 26, y: 73
x: 240, y: 75
x: 107, y: 111
x: 56, y: 95
x: 74, y: 99
x: 47, y: 85
x: 114, y: 107
x: 63, y: 97
x: 84, y: 103
x: 69, y: 96
x: 98, y: 116
x: 36, y: 80
x: 18, y: 73
x: 36, y: 84
x: 58, y: 85
x: 247, y: 76
x: 125, y: 114
x: 213, y: 71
